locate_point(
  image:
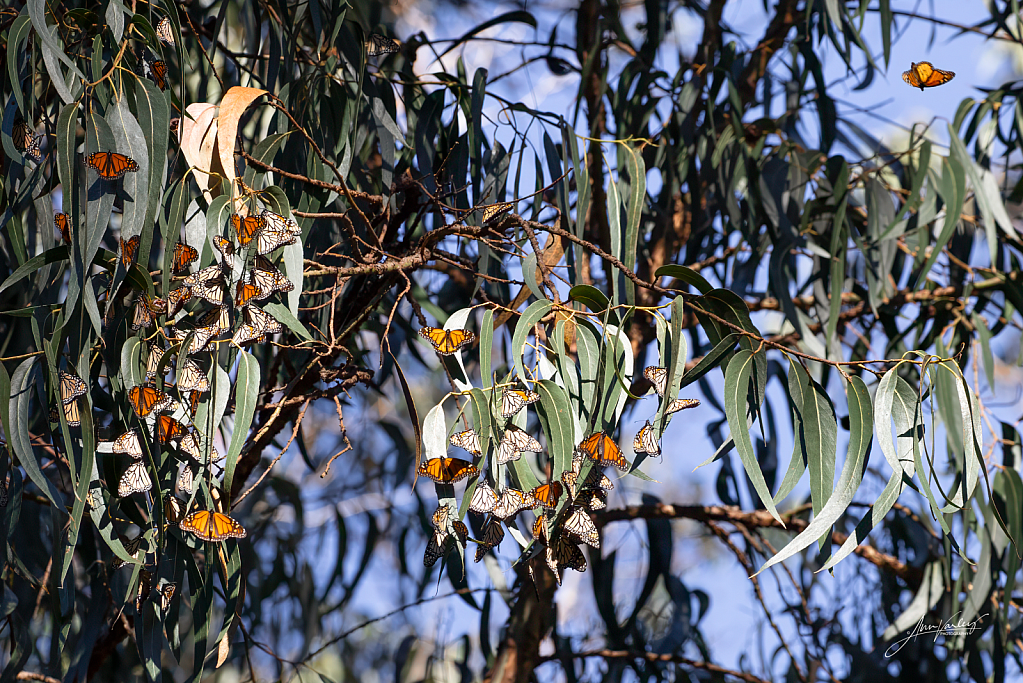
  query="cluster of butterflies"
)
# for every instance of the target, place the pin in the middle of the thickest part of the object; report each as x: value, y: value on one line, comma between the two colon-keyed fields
x: 585, y: 483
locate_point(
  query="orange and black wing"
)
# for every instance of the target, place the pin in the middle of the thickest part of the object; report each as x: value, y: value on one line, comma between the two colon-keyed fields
x: 604, y: 451
x: 247, y: 228
x: 447, y: 470
x: 548, y: 494
x: 447, y: 342
x: 129, y: 250
x: 62, y: 222
x: 183, y: 256
x: 212, y: 526
x: 924, y: 75
x: 111, y: 165
x: 147, y: 400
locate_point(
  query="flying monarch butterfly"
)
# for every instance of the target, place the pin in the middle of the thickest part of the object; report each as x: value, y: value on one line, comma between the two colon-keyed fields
x: 156, y: 71
x: 111, y: 165
x: 512, y: 502
x: 447, y: 470
x: 581, y: 526
x: 212, y: 526
x: 603, y: 451
x: 645, y: 441
x: 563, y: 553
x: 71, y: 386
x: 548, y: 495
x: 186, y: 480
x: 681, y: 404
x: 269, y: 280
x: 134, y: 480
x: 513, y: 443
x: 192, y: 378
x: 183, y: 256
x: 176, y: 300
x: 377, y: 44
x: 145, y: 588
x: 166, y: 592
x: 278, y: 232
x: 62, y: 222
x: 26, y: 142
x: 492, y: 211
x: 924, y: 75
x: 447, y: 342
x: 148, y: 400
x: 658, y: 377
x: 223, y: 245
x: 130, y: 250
x: 514, y: 400
x: 129, y: 444
x: 247, y: 228
x: 435, y: 548
x: 72, y: 414
x: 468, y: 440
x: 484, y: 499
x: 165, y: 32
x: 244, y: 292
x: 131, y: 548
x: 143, y: 316
x: 173, y: 508
x: 168, y: 429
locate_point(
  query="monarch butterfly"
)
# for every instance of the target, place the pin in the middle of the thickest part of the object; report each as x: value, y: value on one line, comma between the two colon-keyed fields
x: 603, y: 451
x: 192, y: 399
x: 164, y: 31
x: 514, y: 400
x: 259, y: 324
x: 440, y: 517
x: 547, y: 495
x: 434, y: 548
x: 72, y: 414
x: 156, y: 71
x: 183, y: 256
x: 244, y: 292
x: 148, y: 400
x: 212, y: 526
x: 593, y: 500
x: 447, y: 470
x: 143, y: 316
x: 192, y: 378
x: 377, y: 44
x: 157, y: 306
x: 166, y: 592
x: 174, y: 123
x: 447, y: 342
x: 190, y: 445
x: 25, y: 142
x: 484, y: 499
x: 186, y: 480
x: 681, y: 404
x: 223, y: 245
x: 130, y: 250
x: 658, y: 377
x: 492, y: 211
x: 153, y: 362
x: 540, y: 530
x: 145, y: 588
x: 581, y: 526
x: 277, y: 233
x: 924, y: 75
x: 129, y: 444
x: 468, y: 440
x: 212, y: 291
x: 62, y: 222
x: 111, y: 165
x: 71, y: 386
x: 168, y: 429
x: 513, y: 443
x: 134, y: 480
x: 512, y: 501
x: 645, y: 441
x: 214, y: 323
x: 563, y: 553
x: 206, y: 276
x: 493, y: 534
x: 176, y: 300
x: 247, y: 228
x: 173, y: 508
x: 269, y: 280
x: 131, y: 548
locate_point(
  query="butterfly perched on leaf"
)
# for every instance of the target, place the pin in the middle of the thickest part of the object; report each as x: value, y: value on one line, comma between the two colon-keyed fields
x: 143, y: 315
x: 224, y: 246
x: 513, y: 443
x: 258, y: 325
x: 156, y: 71
x: 278, y: 232
x: 377, y: 44
x: 210, y: 525
x: 166, y: 592
x: 562, y: 553
x: 173, y: 508
x: 208, y: 284
x: 582, y: 527
x: 176, y: 300
x: 484, y: 499
x: 492, y: 211
x: 435, y: 548
x: 186, y: 480
x: 246, y: 291
x: 547, y: 495
x: 468, y: 440
x: 26, y: 142
x: 72, y: 414
x: 190, y: 446
x: 130, y: 250
x: 111, y: 165
x: 681, y: 404
x: 447, y: 342
x: 512, y: 502
x: 191, y: 377
x: 924, y: 75
x: 493, y: 534
x: 71, y: 386
x: 62, y: 222
x: 247, y: 228
x: 213, y: 324
x: 129, y: 444
x: 145, y: 588
x: 183, y: 256
x: 658, y: 377
x: 645, y: 441
x: 514, y: 400
x: 269, y: 280
x: 134, y: 480
x: 447, y: 470
x: 165, y: 32
x: 148, y: 400
x: 153, y: 362
x: 169, y: 429
x: 132, y: 548
x: 601, y: 449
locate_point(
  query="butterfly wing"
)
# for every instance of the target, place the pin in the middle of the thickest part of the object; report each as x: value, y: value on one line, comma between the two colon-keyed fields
x: 130, y: 250
x: 183, y: 256
x: 447, y: 470
x: 143, y: 316
x: 681, y: 404
x: 63, y: 223
x: 658, y: 377
x: 468, y: 440
x: 71, y: 386
x: 186, y: 480
x: 492, y: 211
x: 192, y: 378
x: 111, y: 165
x: 377, y: 44
x: 165, y: 32
x: 129, y: 444
x: 582, y: 527
x: 147, y: 400
x: 134, y: 480
x: 245, y: 292
x: 514, y: 400
x: 447, y: 342
x: 247, y: 228
x: 645, y: 442
x: 484, y: 499
x: 176, y: 300
x: 548, y: 495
